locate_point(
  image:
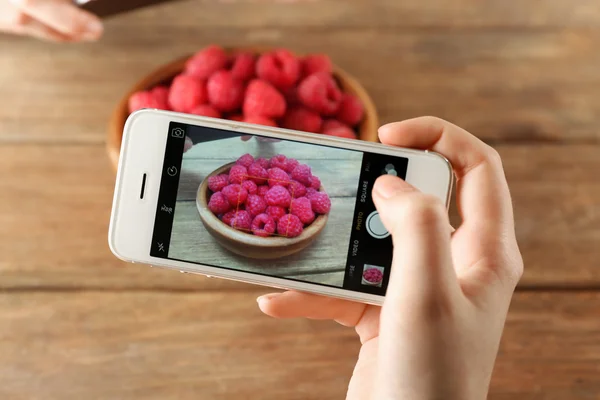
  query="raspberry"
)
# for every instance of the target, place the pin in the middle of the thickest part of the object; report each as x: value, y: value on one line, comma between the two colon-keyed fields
x: 263, y: 162
x: 235, y: 194
x: 262, y: 190
x: 238, y: 174
x: 263, y: 225
x: 225, y: 92
x: 228, y: 216
x: 236, y: 117
x: 290, y: 164
x: 258, y: 174
x: 187, y: 92
x: 320, y: 93
x: 206, y: 62
x: 343, y: 132
x: 291, y: 96
x: 206, y: 110
x: 302, y: 174
x: 218, y: 182
x: 258, y: 120
x: 256, y: 205
x: 250, y: 187
x: 246, y: 160
x: 315, y: 183
x: 218, y: 203
x: 302, y: 119
x: 278, y: 196
x: 278, y: 161
x: 289, y: 226
x: 145, y: 99
x: 321, y: 204
x: 242, y: 220
x: 242, y: 67
x: 316, y: 63
x: 310, y: 192
x: 302, y: 208
x: 277, y: 176
x: 280, y: 68
x: 297, y: 189
x: 332, y: 123
x: 276, y: 212
x: 161, y: 95
x: 264, y: 100
x: 351, y: 110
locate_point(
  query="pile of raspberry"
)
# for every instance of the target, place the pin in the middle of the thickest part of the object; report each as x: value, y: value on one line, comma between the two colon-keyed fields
x: 273, y: 89
x: 266, y: 197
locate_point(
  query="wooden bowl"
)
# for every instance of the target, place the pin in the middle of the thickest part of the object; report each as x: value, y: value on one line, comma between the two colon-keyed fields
x: 163, y: 75
x: 247, y: 244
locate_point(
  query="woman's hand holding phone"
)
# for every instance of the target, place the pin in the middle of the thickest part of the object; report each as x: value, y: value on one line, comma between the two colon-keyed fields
x: 438, y: 333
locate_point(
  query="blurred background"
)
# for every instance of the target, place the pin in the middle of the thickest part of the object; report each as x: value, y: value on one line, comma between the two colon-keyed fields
x: 76, y: 323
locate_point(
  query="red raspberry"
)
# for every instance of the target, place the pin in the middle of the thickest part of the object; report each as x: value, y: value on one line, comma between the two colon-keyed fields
x: 187, y: 92
x: 206, y: 62
x: 320, y: 93
x: 297, y: 189
x: 206, y: 110
x: 302, y: 208
x: 225, y: 92
x: 258, y: 120
x: 289, y: 226
x: 246, y: 160
x: 302, y: 119
x: 264, y: 100
x: 277, y: 176
x: 255, y: 204
x: 291, y: 96
x: 242, y: 67
x: 161, y: 95
x: 263, y: 225
x: 263, y: 162
x: 145, y: 99
x: 280, y: 68
x: 321, y: 204
x: 332, y: 123
x: 235, y: 194
x: 242, y: 220
x: 315, y: 183
x: 250, y: 187
x: 227, y: 217
x: 278, y: 196
x: 343, y: 132
x: 290, y: 164
x: 276, y: 212
x: 278, y: 161
x: 310, y: 192
x: 351, y: 110
x: 258, y: 174
x: 218, y: 203
x: 236, y: 117
x: 218, y: 182
x: 302, y: 174
x: 238, y: 174
x: 316, y: 63
x: 262, y: 190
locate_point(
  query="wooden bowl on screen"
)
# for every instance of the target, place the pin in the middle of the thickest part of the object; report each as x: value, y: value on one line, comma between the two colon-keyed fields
x: 367, y: 130
x: 245, y: 243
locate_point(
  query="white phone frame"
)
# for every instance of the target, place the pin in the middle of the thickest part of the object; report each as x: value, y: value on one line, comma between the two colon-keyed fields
x: 143, y: 150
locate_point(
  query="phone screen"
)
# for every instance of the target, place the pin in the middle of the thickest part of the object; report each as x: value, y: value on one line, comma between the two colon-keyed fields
x: 278, y: 191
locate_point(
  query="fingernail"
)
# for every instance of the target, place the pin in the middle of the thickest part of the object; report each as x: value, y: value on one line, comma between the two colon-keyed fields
x: 93, y: 30
x: 269, y: 296
x: 387, y: 186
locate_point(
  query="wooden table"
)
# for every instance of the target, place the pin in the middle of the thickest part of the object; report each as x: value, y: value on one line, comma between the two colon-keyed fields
x: 77, y: 323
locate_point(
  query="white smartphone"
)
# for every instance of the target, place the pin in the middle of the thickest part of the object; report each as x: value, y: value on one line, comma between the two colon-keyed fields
x: 291, y: 210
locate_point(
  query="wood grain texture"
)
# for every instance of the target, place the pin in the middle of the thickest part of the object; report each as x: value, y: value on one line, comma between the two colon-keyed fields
x: 502, y: 84
x: 217, y: 346
x: 55, y: 224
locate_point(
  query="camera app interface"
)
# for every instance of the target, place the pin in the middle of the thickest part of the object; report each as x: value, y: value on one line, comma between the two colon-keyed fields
x: 278, y: 208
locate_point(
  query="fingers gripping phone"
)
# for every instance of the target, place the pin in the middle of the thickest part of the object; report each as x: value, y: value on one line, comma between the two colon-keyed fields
x: 262, y: 205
